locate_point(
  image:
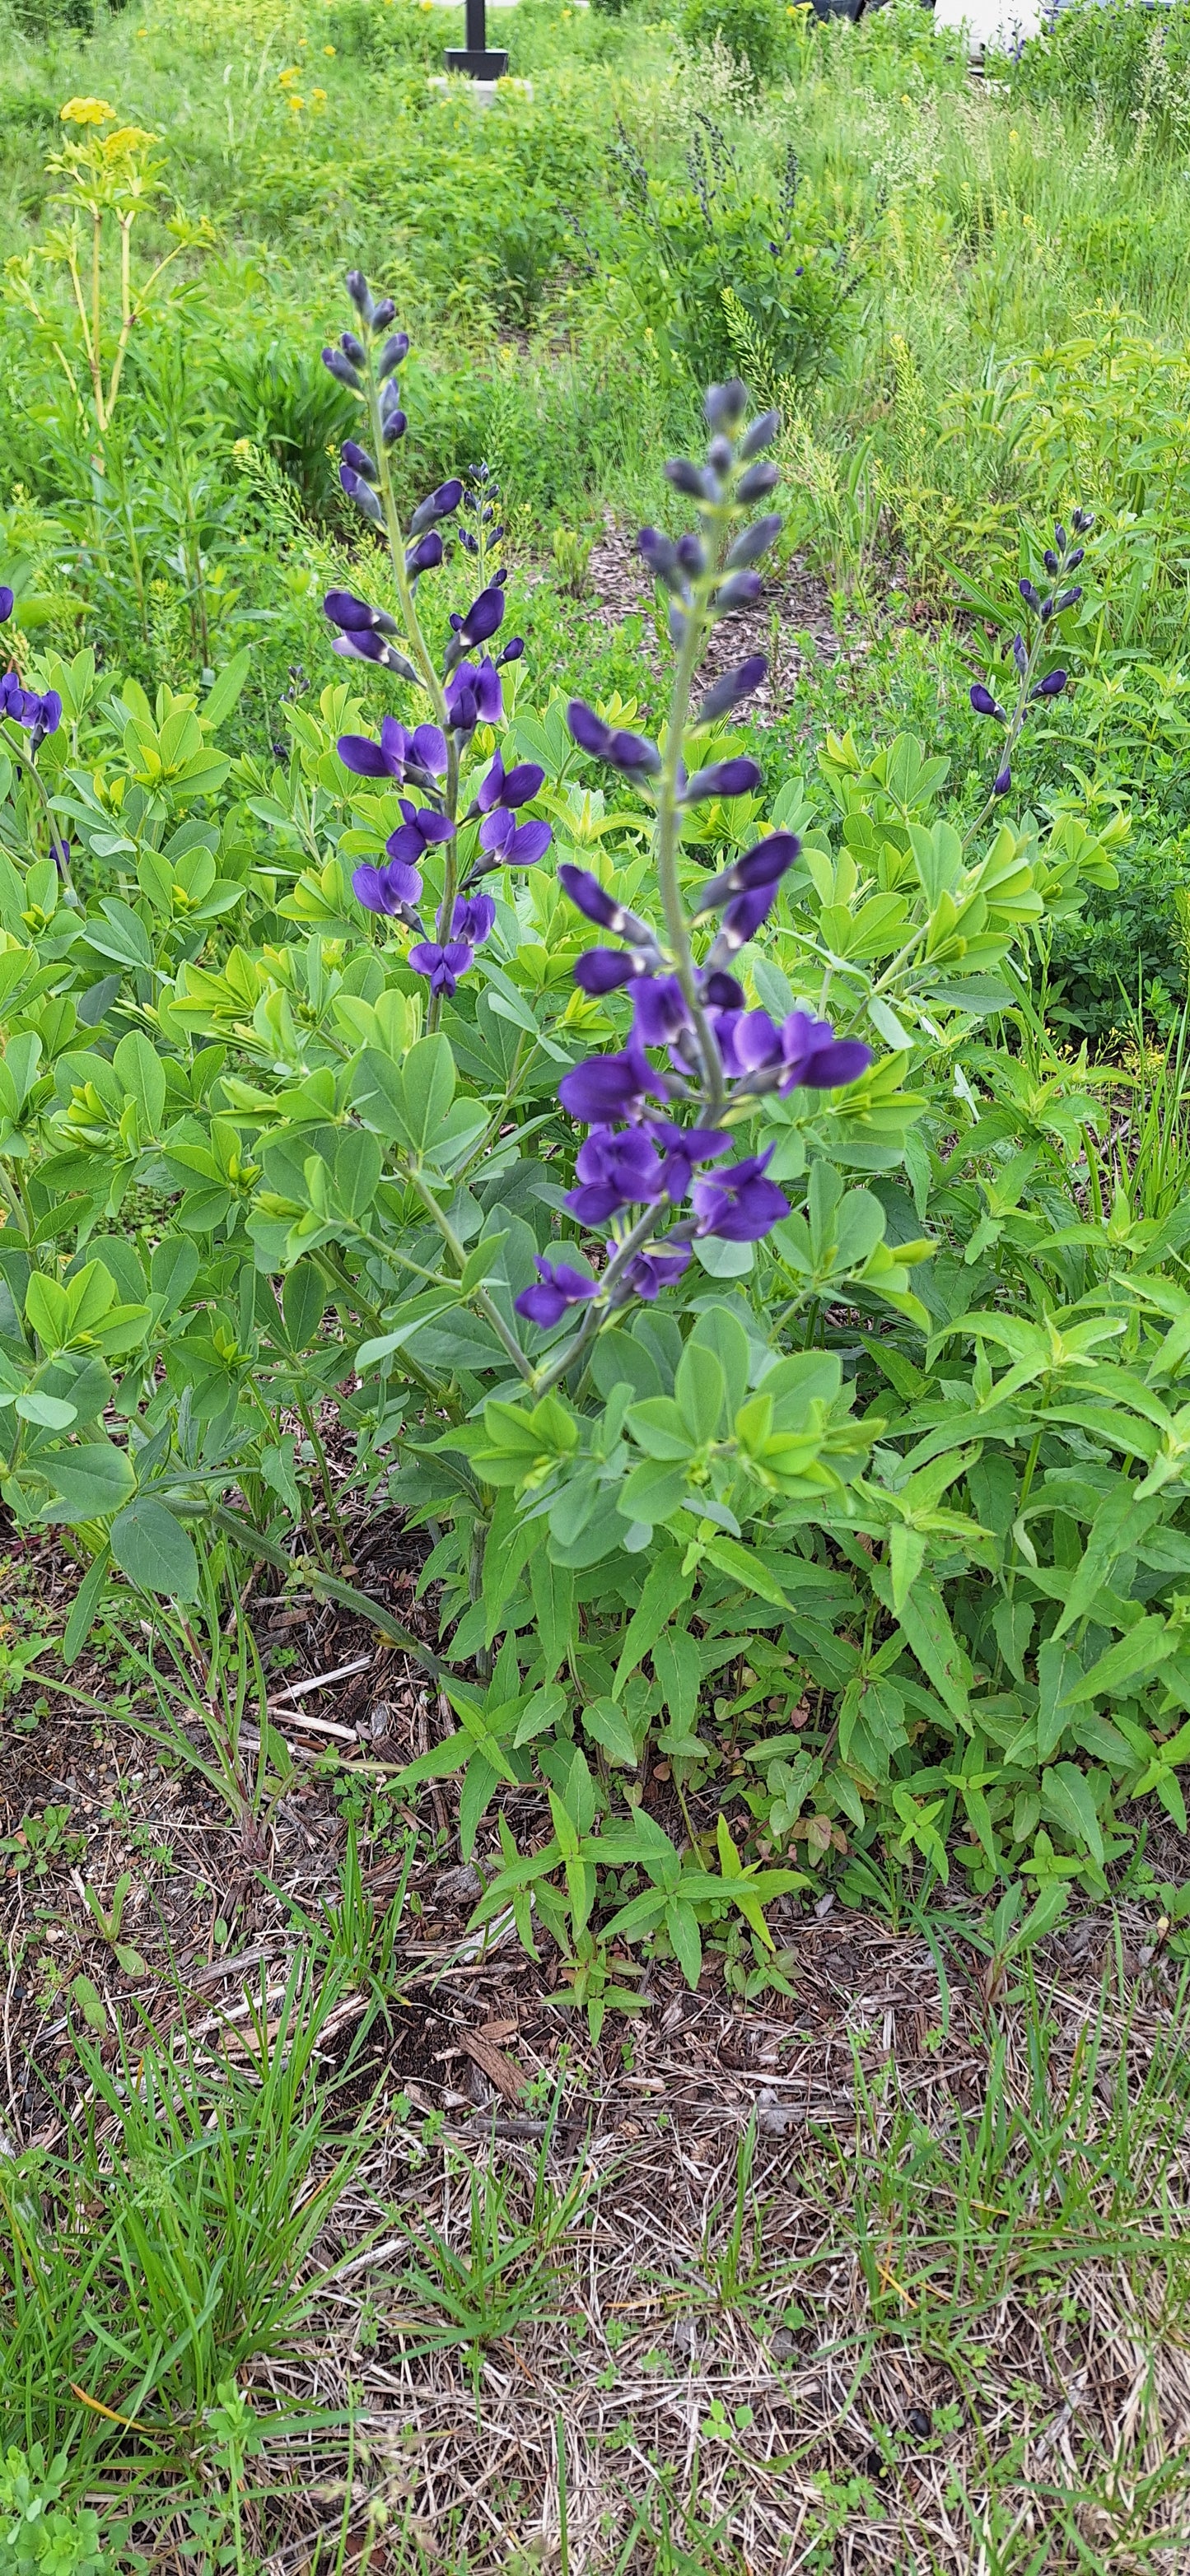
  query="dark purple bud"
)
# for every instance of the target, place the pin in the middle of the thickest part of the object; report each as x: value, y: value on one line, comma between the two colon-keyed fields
x: 437, y: 505
x: 661, y: 556
x: 1059, y: 541
x: 1002, y: 781
x: 660, y: 1010
x: 354, y: 615
x: 723, y: 406
x: 359, y: 460
x: 1051, y: 562
x: 362, y: 494
x: 395, y: 426
x: 593, y: 900
x: 723, y: 993
x: 1052, y: 685
x: 740, y: 590
x: 512, y: 651
x: 1068, y: 598
x: 1029, y: 595
x: 393, y: 354
x: 6, y: 603
x: 677, y: 622
x: 1082, y: 522
x: 690, y: 479
x: 483, y: 617
x: 1076, y: 559
x: 692, y: 556
x: 740, y: 777
x: 743, y: 916
x: 357, y: 288
x: 758, y: 480
x: 984, y: 703
x: 425, y: 554
x: 1019, y: 654
x: 731, y: 691
x: 815, y: 1057
x: 339, y: 366
x: 763, y: 865
x: 760, y: 435
x: 353, y: 349
x: 602, y: 970
x: 720, y: 454
x: 755, y: 541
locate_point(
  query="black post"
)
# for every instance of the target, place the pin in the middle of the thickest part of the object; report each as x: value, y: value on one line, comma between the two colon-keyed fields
x: 474, y: 57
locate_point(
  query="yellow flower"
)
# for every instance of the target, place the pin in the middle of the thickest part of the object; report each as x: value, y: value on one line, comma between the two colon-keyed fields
x: 293, y: 73
x: 86, y: 111
x: 296, y: 103
x: 318, y: 98
x: 328, y: 49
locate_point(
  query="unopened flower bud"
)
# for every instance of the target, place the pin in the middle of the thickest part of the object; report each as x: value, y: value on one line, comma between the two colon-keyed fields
x: 691, y: 479
x: 755, y: 541
x: 984, y: 703
x: 352, y: 348
x: 724, y: 405
x: 758, y: 480
x: 360, y: 461
x: 1029, y: 595
x: 341, y: 368
x: 1052, y: 685
x: 719, y: 455
x: 759, y: 436
x: 740, y: 590
x: 1002, y: 781
x: 382, y: 314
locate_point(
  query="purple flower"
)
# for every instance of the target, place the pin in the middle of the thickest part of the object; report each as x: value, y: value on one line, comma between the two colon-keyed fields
x: 743, y: 916
x: 474, y: 919
x: 474, y: 696
x: 420, y: 829
x: 684, y: 1148
x: 722, y: 991
x: 513, y: 845
x: 659, y: 1010
x: 739, y: 1205
x: 386, y: 890
x: 442, y: 965
x: 738, y: 777
x: 610, y: 1086
x: 360, y: 461
x: 1020, y: 655
x: 984, y: 703
x: 616, y: 1168
x: 815, y: 1057
x: 629, y: 752
x: 509, y: 787
x: 1052, y: 685
x: 1029, y: 594
x: 560, y: 1287
x: 40, y: 713
x: 396, y: 751
x: 6, y: 603
x: 740, y: 590
x: 12, y: 697
x: 1002, y: 781
x: 340, y: 367
x: 755, y: 1042
x: 649, y: 1272
x: 482, y: 618
x: 393, y: 354
x: 602, y: 969
x: 359, y: 490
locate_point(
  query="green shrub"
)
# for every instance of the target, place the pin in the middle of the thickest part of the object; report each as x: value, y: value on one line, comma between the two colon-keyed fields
x: 1125, y: 59
x: 754, y: 32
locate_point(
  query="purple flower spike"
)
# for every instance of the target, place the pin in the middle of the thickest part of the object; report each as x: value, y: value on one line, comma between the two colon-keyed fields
x: 656, y: 1269
x: 443, y: 966
x: 984, y: 703
x: 659, y: 1010
x: 603, y: 969
x: 474, y: 919
x: 616, y: 1169
x: 560, y: 1287
x: 388, y: 890
x: 740, y: 1205
x: 513, y: 845
x: 814, y: 1056
x: 610, y: 1086
x: 6, y: 603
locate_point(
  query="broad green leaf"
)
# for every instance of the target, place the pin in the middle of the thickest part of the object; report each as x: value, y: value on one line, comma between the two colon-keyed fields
x: 607, y: 1722
x: 142, y: 1076
x: 428, y: 1080
x: 699, y: 1390
x: 151, y: 1547
x: 1145, y: 1648
x: 1066, y: 1798
x: 88, y: 1479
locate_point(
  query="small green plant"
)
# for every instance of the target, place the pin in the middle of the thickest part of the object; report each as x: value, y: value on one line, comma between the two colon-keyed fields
x: 572, y: 558
x: 754, y: 32
x: 39, y: 2534
x: 44, y: 1842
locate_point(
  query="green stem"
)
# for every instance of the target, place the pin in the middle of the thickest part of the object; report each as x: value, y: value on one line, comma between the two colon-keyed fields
x: 487, y: 1308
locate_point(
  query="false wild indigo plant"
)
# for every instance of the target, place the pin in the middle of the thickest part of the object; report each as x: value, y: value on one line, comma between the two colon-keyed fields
x: 639, y: 1167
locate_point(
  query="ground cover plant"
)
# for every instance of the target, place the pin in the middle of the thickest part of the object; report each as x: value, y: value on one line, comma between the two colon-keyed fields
x: 593, y: 1170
